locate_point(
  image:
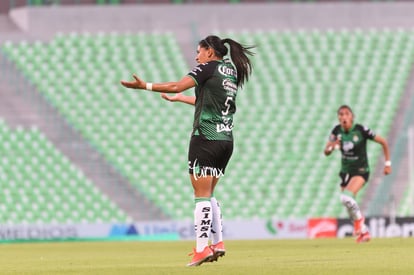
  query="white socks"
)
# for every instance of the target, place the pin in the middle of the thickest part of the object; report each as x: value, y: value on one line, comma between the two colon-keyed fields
x: 353, y: 209
x: 217, y: 222
x: 352, y: 206
x: 202, y: 222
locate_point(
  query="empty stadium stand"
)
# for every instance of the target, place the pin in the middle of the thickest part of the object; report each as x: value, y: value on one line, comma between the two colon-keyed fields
x: 40, y: 185
x: 284, y: 114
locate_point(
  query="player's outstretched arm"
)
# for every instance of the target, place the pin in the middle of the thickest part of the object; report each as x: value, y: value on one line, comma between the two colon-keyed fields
x: 179, y: 98
x: 384, y: 144
x: 164, y: 87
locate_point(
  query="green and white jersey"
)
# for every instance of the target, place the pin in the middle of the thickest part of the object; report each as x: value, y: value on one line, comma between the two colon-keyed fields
x: 353, y: 148
x: 215, y: 104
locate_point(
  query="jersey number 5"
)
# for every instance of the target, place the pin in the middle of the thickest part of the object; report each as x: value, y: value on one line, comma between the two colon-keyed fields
x: 227, y: 104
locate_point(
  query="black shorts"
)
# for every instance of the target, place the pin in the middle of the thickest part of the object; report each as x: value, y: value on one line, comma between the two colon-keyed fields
x: 346, y: 177
x: 208, y: 157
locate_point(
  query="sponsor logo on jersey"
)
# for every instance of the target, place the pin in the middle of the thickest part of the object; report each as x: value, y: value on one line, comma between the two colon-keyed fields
x: 224, y: 127
x: 347, y: 146
x: 229, y: 86
x: 350, y: 157
x: 226, y: 71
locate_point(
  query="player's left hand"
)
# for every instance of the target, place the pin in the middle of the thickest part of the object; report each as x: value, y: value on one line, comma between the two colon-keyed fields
x: 136, y: 84
x: 387, y: 170
x: 172, y: 98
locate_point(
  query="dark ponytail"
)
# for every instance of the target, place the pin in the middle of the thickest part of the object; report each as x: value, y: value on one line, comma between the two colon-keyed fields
x: 238, y: 54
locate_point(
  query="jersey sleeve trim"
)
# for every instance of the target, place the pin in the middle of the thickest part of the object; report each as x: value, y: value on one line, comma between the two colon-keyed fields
x: 193, y: 78
x: 367, y: 132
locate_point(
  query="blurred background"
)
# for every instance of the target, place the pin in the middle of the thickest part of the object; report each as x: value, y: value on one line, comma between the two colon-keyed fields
x: 77, y: 148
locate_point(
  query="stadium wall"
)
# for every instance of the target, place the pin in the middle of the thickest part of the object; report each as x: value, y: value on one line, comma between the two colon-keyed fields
x: 43, y: 22
x: 190, y: 22
x: 260, y: 229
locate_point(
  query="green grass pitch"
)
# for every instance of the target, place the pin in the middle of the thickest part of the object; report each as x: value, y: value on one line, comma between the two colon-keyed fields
x: 323, y: 256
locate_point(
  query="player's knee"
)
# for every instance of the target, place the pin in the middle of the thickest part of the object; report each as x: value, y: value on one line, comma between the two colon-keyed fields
x: 347, y: 198
x: 344, y: 199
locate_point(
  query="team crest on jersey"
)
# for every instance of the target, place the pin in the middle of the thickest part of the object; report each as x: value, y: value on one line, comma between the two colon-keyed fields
x: 355, y: 138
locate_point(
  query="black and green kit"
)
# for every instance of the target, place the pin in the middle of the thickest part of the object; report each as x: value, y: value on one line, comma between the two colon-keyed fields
x: 353, y: 148
x: 215, y: 104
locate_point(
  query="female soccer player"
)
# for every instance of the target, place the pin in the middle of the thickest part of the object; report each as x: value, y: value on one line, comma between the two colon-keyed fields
x: 351, y: 139
x: 216, y: 80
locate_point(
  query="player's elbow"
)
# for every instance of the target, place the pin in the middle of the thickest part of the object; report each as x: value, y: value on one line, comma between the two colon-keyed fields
x: 175, y: 88
x: 383, y: 142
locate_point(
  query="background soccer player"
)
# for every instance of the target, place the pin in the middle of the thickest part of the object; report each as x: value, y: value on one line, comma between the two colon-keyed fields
x: 351, y: 139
